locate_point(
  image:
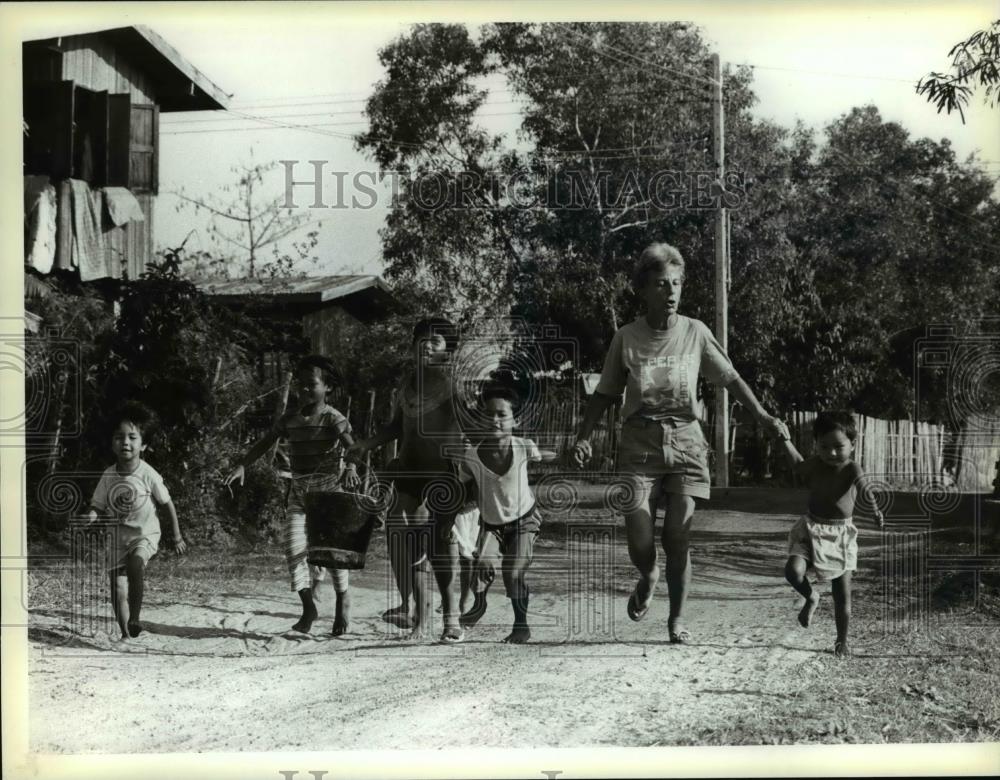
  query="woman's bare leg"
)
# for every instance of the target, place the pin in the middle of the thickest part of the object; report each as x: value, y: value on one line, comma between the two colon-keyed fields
x: 676, y: 546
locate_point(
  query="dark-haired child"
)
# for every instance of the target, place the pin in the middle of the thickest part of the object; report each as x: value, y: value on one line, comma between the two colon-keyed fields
x: 498, y: 467
x: 316, y: 433
x: 421, y: 530
x: 825, y: 539
x: 131, y: 491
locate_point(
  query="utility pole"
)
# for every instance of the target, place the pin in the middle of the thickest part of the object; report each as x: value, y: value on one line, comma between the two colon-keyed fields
x: 721, y: 277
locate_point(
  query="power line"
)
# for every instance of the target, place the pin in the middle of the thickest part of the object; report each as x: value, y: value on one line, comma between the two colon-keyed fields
x: 802, y: 71
x: 658, y: 65
x: 355, y: 112
x: 526, y: 101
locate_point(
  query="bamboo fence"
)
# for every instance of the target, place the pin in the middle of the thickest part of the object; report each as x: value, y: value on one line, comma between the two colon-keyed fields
x: 907, y: 453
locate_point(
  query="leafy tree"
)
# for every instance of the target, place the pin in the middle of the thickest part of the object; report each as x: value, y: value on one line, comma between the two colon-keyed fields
x: 450, y: 238
x: 837, y: 247
x: 896, y: 235
x: 974, y: 62
x: 605, y: 111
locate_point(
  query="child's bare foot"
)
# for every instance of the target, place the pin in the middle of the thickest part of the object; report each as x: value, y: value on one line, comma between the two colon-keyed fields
x: 309, y: 614
x: 134, y: 628
x: 518, y: 636
x: 808, y: 609
x: 342, y: 619
x: 420, y: 633
x: 841, y: 649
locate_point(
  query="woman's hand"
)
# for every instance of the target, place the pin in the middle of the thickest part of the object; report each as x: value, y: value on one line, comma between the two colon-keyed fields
x: 774, y: 427
x: 781, y: 429
x: 581, y: 453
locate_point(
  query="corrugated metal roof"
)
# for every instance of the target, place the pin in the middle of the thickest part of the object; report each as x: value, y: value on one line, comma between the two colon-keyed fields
x: 316, y: 289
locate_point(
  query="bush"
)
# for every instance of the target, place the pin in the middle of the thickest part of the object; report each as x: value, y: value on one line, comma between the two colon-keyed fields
x: 191, y: 363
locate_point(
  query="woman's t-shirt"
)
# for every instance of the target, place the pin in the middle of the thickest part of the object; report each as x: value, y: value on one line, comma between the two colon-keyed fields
x: 658, y: 369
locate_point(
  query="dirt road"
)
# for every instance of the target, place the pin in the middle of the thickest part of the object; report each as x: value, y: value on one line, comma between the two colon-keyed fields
x: 214, y: 672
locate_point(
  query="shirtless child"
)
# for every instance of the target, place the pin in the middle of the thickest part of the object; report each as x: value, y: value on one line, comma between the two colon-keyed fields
x: 427, y: 427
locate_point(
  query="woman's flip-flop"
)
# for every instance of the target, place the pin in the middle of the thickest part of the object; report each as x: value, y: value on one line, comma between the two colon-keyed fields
x: 679, y: 635
x: 636, y: 612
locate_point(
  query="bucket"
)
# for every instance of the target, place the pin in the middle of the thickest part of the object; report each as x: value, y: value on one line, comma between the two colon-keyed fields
x: 339, y: 527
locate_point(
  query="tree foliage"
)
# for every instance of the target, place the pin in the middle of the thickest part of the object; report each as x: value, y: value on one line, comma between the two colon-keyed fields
x: 191, y: 362
x: 844, y: 248
x: 975, y: 62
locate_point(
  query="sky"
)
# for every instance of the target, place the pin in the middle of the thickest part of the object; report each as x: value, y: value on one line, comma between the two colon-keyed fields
x: 314, y: 63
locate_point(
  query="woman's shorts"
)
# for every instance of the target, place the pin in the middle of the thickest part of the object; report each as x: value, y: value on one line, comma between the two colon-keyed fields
x: 830, y: 546
x: 665, y: 455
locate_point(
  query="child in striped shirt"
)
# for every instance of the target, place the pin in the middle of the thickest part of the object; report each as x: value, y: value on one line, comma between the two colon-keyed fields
x: 316, y: 433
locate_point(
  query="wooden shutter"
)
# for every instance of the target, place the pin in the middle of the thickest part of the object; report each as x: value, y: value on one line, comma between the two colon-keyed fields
x: 142, y: 149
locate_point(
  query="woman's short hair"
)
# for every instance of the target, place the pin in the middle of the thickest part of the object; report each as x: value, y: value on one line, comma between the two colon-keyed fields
x: 656, y: 257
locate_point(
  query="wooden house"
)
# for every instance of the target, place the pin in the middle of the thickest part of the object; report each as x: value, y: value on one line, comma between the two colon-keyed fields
x: 323, y: 310
x: 91, y: 113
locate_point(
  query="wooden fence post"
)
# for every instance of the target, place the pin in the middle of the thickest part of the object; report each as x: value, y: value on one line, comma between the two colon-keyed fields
x: 394, y: 446
x: 370, y: 429
x: 279, y: 409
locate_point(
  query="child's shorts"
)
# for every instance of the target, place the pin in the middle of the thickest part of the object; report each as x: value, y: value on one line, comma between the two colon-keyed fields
x: 830, y: 546
x: 513, y: 535
x: 667, y: 456
x: 466, y: 531
x: 119, y: 550
x: 298, y: 486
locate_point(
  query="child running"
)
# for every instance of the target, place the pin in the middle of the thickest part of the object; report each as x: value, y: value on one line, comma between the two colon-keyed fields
x: 825, y: 539
x: 314, y: 432
x: 497, y: 467
x: 131, y: 492
x: 421, y: 531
